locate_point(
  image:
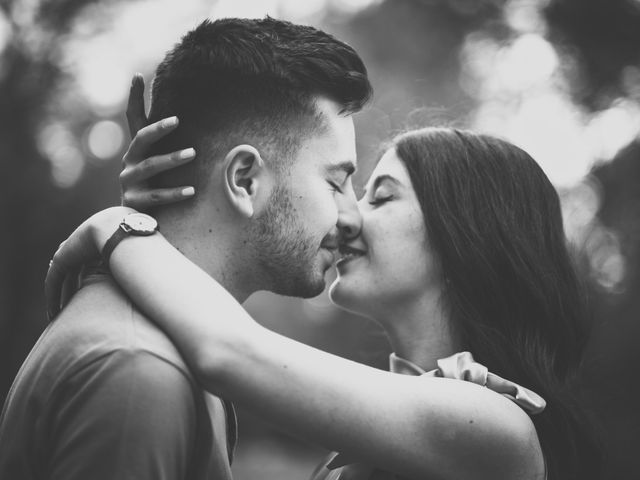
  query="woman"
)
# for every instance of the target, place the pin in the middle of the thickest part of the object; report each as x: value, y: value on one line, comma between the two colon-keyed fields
x: 462, y: 248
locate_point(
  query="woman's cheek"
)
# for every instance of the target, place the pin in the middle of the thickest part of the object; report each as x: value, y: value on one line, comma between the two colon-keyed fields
x: 405, y: 249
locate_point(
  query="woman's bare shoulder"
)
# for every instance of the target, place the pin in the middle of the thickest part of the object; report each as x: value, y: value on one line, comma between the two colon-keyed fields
x: 477, y: 433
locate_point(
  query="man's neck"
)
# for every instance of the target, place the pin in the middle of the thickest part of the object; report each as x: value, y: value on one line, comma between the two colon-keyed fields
x: 211, y: 250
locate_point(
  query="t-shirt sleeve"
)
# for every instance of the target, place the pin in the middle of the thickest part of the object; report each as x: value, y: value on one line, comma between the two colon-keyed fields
x: 128, y: 415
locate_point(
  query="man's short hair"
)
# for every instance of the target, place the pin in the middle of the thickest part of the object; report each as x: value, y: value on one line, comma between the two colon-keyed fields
x: 234, y: 81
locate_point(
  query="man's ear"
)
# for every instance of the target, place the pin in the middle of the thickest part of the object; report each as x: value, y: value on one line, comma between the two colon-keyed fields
x: 244, y: 174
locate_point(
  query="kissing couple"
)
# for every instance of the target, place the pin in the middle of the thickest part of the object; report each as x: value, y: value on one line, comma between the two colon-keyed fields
x: 244, y: 173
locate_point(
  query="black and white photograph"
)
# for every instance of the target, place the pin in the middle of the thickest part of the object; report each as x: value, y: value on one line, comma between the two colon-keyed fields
x: 320, y: 239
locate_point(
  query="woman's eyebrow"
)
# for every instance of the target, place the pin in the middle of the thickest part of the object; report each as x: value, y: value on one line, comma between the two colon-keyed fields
x: 382, y: 178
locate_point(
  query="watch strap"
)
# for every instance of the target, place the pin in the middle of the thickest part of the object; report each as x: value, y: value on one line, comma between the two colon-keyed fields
x: 113, y: 241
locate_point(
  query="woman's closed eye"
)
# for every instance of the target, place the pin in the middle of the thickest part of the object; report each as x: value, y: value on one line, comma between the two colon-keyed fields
x: 379, y: 200
x: 384, y: 189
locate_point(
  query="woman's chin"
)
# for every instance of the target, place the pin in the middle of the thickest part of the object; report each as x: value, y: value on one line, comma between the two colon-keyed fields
x: 346, y: 298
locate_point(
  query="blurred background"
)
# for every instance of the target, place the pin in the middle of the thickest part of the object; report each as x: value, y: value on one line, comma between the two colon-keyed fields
x: 560, y: 78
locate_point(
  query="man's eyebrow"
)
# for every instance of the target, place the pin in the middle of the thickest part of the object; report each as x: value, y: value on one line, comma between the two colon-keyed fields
x: 347, y: 166
x: 382, y: 178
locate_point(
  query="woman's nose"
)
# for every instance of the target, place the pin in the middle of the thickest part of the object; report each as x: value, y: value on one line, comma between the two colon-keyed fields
x: 349, y: 218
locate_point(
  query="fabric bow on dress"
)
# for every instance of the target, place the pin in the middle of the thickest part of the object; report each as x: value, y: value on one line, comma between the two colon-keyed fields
x: 461, y: 366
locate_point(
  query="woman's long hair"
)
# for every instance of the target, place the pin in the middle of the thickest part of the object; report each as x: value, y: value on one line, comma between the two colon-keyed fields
x: 494, y: 221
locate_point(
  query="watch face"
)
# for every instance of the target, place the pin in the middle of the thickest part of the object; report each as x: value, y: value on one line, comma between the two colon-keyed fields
x: 140, y: 223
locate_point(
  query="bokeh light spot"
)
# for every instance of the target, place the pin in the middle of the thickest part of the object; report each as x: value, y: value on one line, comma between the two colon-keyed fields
x: 245, y: 8
x: 353, y: 6
x: 105, y: 139
x: 525, y: 15
x: 58, y: 145
x: 608, y: 267
x: 67, y: 166
x: 5, y: 32
x: 610, y: 130
x: 580, y: 205
x: 528, y: 61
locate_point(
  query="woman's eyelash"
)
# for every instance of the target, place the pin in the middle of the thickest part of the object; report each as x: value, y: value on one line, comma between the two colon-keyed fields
x: 381, y: 200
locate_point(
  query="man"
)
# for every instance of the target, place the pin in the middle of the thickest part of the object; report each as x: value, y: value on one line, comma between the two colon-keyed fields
x: 104, y: 394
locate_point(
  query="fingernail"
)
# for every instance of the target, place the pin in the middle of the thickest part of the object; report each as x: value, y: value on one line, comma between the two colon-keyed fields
x: 170, y: 122
x: 188, y: 192
x: 187, y: 153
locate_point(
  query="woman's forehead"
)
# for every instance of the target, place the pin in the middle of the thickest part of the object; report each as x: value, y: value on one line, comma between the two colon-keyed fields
x: 390, y: 165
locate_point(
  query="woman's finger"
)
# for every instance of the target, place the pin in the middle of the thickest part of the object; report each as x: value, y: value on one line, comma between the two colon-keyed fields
x: 74, y: 252
x: 146, y: 137
x: 59, y: 269
x: 53, y: 284
x: 151, y: 166
x: 136, y: 116
x: 58, y: 280
x: 143, y: 199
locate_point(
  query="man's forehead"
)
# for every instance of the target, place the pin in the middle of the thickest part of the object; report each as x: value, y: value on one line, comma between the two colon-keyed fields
x: 332, y: 151
x: 332, y: 147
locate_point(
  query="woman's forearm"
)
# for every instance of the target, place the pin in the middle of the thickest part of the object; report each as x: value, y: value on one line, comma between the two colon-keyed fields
x: 235, y: 357
x: 198, y: 314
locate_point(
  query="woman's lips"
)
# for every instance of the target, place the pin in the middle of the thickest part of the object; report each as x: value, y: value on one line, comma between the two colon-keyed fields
x: 348, y: 253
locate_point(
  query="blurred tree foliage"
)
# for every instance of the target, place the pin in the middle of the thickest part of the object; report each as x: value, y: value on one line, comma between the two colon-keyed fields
x: 411, y: 49
x: 604, y: 37
x: 410, y: 45
x: 35, y: 215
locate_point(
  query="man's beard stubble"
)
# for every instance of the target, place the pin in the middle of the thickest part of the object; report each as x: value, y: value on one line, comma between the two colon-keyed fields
x: 285, y: 252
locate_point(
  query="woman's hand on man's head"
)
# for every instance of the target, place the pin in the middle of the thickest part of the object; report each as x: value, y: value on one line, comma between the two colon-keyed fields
x: 86, y: 242
x: 138, y: 168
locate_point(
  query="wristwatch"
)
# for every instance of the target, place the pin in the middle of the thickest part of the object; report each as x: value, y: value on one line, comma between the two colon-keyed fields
x: 138, y: 224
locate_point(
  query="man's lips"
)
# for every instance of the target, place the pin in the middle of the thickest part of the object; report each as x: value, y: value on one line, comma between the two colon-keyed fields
x: 330, y: 242
x: 332, y: 249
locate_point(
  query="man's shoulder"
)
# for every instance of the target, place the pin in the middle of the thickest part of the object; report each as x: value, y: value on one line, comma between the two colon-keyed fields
x: 99, y: 321
x: 102, y: 367
x: 101, y: 340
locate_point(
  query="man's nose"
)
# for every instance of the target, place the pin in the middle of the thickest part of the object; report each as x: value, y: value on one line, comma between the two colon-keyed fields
x: 349, y: 218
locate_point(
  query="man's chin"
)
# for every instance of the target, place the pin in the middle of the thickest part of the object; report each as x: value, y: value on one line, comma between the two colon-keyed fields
x: 315, y: 290
x: 301, y: 286
x: 311, y: 282
x: 308, y: 289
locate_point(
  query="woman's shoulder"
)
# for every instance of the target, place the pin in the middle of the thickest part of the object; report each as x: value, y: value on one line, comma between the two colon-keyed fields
x: 484, y: 418
x: 489, y: 435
